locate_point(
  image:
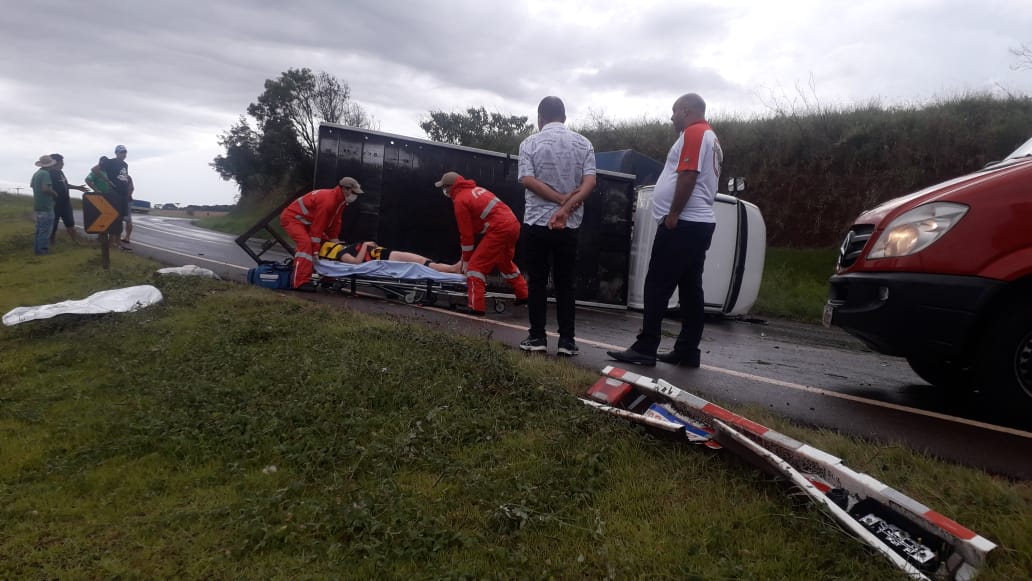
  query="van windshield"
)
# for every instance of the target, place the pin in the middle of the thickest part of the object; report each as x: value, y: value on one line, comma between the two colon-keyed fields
x: 1024, y: 151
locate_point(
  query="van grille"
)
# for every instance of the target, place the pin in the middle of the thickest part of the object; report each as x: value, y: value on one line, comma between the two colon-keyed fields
x: 854, y: 243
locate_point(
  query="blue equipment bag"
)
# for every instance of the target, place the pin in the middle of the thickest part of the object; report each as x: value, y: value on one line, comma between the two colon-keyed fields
x: 271, y: 275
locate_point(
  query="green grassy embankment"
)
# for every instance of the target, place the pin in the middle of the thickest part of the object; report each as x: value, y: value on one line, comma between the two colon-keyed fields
x: 231, y: 432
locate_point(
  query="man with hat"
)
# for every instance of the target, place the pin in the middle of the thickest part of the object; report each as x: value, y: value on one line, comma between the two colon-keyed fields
x: 478, y: 211
x: 63, y: 202
x: 43, y: 196
x: 313, y: 218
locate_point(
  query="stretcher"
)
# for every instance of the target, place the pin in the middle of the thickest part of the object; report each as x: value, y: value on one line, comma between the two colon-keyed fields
x: 408, y: 282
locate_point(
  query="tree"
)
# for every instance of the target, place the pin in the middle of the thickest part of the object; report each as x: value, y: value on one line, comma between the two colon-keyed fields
x: 477, y: 128
x: 1024, y: 54
x: 241, y: 159
x: 279, y: 153
x: 304, y: 99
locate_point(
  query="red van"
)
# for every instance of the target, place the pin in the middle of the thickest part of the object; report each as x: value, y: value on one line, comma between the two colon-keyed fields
x: 943, y: 277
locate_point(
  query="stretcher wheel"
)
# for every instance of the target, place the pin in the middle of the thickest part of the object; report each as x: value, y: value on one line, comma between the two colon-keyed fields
x: 410, y: 297
x: 499, y: 307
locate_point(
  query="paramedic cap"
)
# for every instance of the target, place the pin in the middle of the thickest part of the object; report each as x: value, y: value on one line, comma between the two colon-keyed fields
x: 351, y: 184
x: 448, y: 180
x: 120, y: 149
x: 45, y: 161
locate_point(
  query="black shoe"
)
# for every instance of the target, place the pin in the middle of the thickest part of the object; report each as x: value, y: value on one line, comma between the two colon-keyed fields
x: 675, y: 358
x: 308, y: 287
x: 568, y: 347
x: 633, y: 357
x: 519, y: 302
x: 534, y: 344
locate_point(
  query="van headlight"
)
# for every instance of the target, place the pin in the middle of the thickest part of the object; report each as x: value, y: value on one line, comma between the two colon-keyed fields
x: 917, y: 229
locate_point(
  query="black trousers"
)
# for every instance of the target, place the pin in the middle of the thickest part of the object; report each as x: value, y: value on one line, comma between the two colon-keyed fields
x: 554, y: 251
x: 678, y: 257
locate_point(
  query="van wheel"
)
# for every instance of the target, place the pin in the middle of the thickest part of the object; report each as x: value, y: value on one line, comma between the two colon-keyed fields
x: 941, y: 372
x: 1005, y: 361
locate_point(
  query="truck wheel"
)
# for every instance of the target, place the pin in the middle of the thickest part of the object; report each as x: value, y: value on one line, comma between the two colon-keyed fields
x: 1005, y: 361
x: 941, y: 372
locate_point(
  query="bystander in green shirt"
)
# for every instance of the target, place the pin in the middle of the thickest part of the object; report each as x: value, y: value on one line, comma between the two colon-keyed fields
x: 42, y: 199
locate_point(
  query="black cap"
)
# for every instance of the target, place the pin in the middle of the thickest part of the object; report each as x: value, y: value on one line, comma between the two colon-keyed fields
x: 56, y: 157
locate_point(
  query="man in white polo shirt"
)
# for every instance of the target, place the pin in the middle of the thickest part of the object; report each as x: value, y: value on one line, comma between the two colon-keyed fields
x: 682, y: 204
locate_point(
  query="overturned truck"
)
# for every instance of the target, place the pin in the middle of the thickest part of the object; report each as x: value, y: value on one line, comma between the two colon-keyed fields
x: 402, y: 209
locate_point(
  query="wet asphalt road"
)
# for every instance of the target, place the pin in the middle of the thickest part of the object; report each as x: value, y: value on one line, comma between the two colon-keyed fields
x: 815, y: 376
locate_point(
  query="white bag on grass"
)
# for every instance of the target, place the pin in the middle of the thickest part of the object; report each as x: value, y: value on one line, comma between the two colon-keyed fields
x: 123, y: 300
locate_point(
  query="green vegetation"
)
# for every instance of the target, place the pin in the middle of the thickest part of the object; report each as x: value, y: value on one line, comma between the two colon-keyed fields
x: 242, y: 219
x: 812, y: 169
x: 231, y: 432
x: 795, y: 283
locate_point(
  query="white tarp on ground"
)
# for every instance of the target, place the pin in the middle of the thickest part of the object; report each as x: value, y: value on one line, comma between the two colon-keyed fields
x: 122, y: 300
x: 189, y: 270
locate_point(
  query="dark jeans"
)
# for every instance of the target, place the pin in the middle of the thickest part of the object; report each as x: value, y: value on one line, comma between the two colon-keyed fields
x: 678, y: 257
x: 552, y: 251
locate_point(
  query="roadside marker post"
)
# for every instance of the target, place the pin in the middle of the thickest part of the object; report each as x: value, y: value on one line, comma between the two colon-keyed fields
x: 99, y: 215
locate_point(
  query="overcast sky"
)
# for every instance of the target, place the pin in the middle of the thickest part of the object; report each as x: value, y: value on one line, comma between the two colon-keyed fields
x: 165, y: 78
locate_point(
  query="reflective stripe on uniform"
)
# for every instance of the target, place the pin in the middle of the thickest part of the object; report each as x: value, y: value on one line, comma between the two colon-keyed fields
x: 301, y: 204
x: 475, y: 274
x: 303, y: 220
x: 485, y: 228
x: 467, y: 248
x: 316, y: 240
x: 487, y: 210
x: 304, y: 255
x: 511, y: 276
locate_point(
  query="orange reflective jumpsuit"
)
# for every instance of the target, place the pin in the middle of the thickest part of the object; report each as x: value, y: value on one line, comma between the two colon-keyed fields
x: 478, y: 211
x: 309, y: 220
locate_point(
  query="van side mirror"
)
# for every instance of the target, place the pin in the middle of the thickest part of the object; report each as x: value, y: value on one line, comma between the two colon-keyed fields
x: 735, y: 185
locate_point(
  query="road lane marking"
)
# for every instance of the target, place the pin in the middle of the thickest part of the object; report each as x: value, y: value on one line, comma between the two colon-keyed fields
x: 794, y: 386
x: 190, y: 256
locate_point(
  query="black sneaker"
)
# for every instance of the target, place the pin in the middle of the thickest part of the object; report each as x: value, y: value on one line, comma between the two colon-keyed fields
x: 519, y: 302
x: 534, y: 344
x: 568, y: 347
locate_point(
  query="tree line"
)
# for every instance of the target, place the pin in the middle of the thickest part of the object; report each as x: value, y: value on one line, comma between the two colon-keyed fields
x: 811, y: 170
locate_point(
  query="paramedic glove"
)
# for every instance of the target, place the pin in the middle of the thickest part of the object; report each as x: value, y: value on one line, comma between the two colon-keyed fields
x: 464, y: 266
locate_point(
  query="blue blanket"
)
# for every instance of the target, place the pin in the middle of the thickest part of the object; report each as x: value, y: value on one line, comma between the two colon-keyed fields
x: 387, y: 269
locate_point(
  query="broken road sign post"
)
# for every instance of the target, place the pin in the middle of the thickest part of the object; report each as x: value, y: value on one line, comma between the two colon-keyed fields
x: 919, y: 541
x: 98, y: 215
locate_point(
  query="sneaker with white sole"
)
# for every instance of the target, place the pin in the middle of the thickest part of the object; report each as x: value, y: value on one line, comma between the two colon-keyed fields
x: 534, y: 344
x: 568, y: 347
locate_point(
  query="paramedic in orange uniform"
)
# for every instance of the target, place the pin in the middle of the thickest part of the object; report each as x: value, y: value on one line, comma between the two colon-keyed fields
x: 313, y: 218
x: 478, y: 211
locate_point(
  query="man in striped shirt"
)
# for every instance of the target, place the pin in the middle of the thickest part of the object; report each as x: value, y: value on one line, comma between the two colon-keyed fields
x: 557, y: 168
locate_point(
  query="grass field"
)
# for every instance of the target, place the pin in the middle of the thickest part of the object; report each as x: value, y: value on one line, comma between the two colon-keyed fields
x: 795, y: 283
x: 231, y: 432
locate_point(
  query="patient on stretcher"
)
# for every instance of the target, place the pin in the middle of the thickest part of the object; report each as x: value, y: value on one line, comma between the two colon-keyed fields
x: 360, y: 252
